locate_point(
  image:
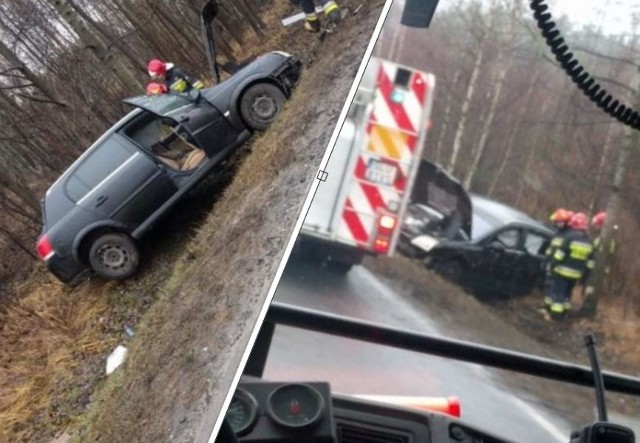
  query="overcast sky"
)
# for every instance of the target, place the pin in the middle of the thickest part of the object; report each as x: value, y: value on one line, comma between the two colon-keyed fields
x: 613, y: 15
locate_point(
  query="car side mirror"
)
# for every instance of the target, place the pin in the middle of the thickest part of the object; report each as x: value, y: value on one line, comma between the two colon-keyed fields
x: 195, y: 95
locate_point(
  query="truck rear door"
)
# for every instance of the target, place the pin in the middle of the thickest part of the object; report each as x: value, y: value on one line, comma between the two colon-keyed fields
x: 389, y: 152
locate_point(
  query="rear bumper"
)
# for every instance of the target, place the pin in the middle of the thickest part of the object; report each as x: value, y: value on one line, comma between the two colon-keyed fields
x: 65, y: 269
x: 330, y: 250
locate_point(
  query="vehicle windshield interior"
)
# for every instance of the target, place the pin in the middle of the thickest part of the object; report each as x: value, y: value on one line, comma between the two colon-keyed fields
x: 171, y: 144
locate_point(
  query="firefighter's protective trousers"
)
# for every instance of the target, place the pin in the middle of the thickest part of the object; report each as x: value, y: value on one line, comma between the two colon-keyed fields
x: 571, y: 258
x: 309, y: 8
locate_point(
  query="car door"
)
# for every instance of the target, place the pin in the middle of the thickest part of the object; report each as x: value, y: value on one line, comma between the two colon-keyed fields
x: 502, y: 255
x: 196, y: 119
x: 532, y: 273
x: 119, y: 182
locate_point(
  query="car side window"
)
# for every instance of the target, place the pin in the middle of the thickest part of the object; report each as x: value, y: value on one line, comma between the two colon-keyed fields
x: 103, y: 161
x: 534, y: 242
x: 508, y: 238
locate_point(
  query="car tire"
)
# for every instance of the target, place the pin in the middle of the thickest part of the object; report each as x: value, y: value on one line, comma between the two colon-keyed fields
x: 114, y: 256
x: 260, y: 104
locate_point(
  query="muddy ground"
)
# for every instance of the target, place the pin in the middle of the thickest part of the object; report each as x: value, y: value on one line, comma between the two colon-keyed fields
x: 504, y: 325
x: 205, y: 273
x: 190, y: 343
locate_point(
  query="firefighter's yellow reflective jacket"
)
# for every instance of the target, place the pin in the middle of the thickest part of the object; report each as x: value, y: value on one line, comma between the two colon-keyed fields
x: 571, y: 254
x: 180, y: 81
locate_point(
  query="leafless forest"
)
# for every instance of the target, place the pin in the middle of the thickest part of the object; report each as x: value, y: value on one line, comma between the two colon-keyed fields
x: 510, y: 124
x: 64, y: 67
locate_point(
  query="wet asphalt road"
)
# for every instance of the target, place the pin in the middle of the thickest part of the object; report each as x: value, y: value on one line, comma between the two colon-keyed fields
x: 361, y: 368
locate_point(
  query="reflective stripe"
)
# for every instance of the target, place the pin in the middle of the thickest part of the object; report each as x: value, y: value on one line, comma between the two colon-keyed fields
x: 330, y: 7
x: 179, y: 85
x: 557, y: 308
x: 557, y: 241
x: 567, y: 272
x: 580, y: 250
x: 312, y: 17
x: 198, y: 84
x: 559, y: 255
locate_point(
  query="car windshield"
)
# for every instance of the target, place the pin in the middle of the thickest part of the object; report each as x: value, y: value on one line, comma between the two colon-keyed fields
x: 482, y: 225
x: 159, y: 104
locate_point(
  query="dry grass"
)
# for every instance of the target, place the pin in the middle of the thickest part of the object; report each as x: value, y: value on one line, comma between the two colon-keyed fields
x: 47, y: 335
x: 202, y: 296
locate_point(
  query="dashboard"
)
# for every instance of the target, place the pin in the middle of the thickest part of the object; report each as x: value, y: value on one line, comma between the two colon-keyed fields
x: 282, y: 412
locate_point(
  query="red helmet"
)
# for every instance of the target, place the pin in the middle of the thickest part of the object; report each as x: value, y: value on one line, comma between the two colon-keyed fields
x: 156, y: 67
x: 579, y: 222
x: 561, y: 215
x: 599, y: 219
x: 154, y: 88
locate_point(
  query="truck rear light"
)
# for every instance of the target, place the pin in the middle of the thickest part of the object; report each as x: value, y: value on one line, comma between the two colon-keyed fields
x: 381, y: 245
x: 387, y: 222
x: 45, y: 250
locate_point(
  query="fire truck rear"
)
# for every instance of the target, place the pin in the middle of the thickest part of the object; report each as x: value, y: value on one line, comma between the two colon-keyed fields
x: 358, y: 208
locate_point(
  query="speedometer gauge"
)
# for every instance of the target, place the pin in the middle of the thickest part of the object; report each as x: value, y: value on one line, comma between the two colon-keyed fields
x: 242, y: 412
x: 295, y: 405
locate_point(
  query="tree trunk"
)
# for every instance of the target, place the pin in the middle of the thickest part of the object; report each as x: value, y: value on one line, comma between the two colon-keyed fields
x: 93, y: 42
x: 14, y: 61
x: 466, y: 104
x: 614, y: 207
x: 486, y: 126
x: 601, y: 167
x: 514, y: 131
x: 110, y: 37
x: 447, y: 114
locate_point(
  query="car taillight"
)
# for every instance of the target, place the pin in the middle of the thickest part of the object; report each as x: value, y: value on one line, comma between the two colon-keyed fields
x: 45, y: 250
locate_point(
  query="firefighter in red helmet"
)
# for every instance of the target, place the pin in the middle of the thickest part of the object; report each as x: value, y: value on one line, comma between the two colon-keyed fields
x: 155, y: 88
x: 572, y: 258
x: 175, y: 79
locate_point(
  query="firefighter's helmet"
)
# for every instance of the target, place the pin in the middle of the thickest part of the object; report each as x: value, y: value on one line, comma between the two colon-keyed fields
x: 156, y: 68
x: 154, y: 88
x: 561, y: 215
x: 598, y: 220
x: 579, y: 222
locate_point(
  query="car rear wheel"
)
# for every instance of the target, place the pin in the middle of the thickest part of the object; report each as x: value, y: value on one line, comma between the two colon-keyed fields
x: 114, y: 256
x: 260, y: 104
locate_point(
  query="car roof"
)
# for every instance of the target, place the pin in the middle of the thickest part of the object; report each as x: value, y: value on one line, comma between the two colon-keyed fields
x: 498, y: 214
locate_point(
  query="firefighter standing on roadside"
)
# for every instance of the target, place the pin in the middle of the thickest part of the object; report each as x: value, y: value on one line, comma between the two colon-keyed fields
x: 176, y: 79
x: 312, y: 21
x: 571, y: 259
x: 560, y: 220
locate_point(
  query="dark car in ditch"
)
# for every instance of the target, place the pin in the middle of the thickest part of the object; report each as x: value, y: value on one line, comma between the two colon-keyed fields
x: 143, y: 165
x: 504, y: 256
x: 439, y: 209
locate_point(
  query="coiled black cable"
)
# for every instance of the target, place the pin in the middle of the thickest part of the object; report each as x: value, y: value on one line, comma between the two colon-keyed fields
x: 589, y: 86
